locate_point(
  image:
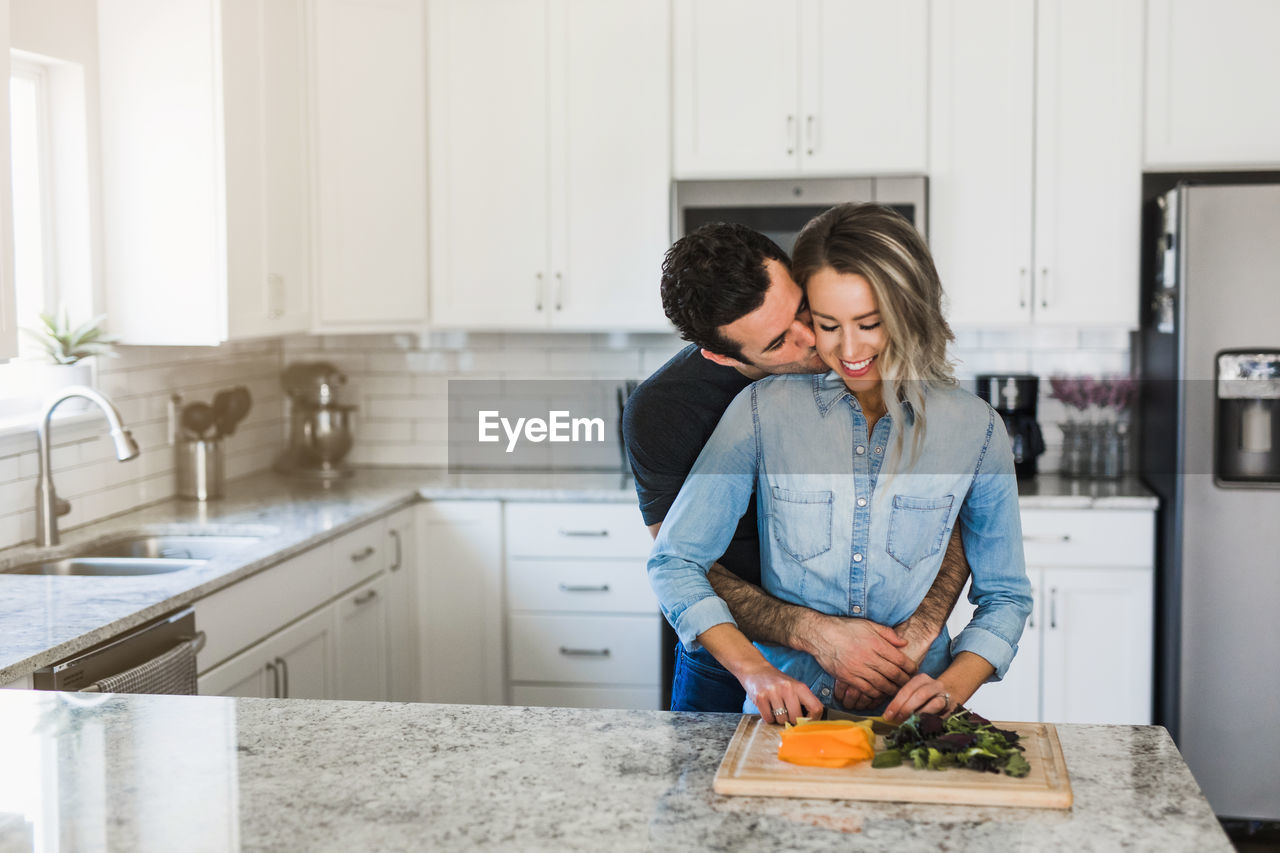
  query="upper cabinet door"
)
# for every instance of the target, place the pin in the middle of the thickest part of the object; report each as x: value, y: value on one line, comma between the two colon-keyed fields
x: 864, y: 87
x: 370, y: 154
x: 1088, y: 187
x: 611, y: 175
x: 1212, y: 67
x: 489, y: 164
x: 264, y: 72
x: 8, y: 293
x: 980, y: 177
x: 736, y: 88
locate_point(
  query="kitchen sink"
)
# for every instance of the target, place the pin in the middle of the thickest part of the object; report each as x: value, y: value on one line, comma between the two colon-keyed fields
x: 105, y: 566
x: 140, y: 554
x: 171, y: 547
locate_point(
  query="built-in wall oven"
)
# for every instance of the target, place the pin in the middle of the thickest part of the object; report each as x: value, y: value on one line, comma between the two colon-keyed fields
x: 780, y: 208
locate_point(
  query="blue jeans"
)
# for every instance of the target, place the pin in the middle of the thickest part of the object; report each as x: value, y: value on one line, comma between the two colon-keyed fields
x: 700, y: 683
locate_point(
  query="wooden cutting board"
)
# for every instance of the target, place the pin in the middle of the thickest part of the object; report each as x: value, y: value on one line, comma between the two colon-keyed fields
x: 751, y: 767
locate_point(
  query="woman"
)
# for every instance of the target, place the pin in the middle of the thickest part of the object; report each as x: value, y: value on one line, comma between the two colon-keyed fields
x: 860, y: 474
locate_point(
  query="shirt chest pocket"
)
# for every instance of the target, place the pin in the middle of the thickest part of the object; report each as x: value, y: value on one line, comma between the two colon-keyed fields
x: 801, y: 522
x: 917, y: 527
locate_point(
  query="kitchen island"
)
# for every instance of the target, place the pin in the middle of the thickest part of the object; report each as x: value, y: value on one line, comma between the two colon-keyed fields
x: 92, y: 772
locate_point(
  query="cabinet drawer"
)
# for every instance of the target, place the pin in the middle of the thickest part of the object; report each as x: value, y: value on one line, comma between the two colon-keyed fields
x: 576, y: 530
x: 593, y: 649
x: 1089, y: 537
x: 358, y: 555
x: 628, y: 698
x: 598, y: 586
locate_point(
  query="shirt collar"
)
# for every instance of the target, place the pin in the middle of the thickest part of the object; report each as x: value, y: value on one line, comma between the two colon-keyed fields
x: 829, y: 389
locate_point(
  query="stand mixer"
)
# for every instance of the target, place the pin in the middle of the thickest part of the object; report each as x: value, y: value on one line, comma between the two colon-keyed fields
x: 319, y: 425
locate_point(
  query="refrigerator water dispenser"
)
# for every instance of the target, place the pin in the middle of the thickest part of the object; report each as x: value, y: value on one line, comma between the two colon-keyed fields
x: 1247, y: 447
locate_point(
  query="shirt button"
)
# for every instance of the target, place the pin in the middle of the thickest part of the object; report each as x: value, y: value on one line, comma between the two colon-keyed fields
x: 878, y: 449
x: 826, y: 691
x: 859, y: 450
x: 857, y: 609
x: 857, y: 558
x: 862, y: 501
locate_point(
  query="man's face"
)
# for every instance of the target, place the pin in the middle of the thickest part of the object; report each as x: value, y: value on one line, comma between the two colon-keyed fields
x: 776, y: 337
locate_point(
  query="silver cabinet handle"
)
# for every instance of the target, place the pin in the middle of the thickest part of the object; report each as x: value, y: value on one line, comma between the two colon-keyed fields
x: 1053, y: 607
x: 1049, y: 539
x: 559, y: 291
x: 598, y: 534
x: 584, y: 653
x: 791, y: 135
x: 284, y: 676
x: 395, y: 536
x: 362, y: 555
x: 811, y: 137
x: 1022, y: 287
x: 365, y: 597
x: 538, y: 300
x: 1044, y: 287
x: 565, y: 587
x: 275, y: 680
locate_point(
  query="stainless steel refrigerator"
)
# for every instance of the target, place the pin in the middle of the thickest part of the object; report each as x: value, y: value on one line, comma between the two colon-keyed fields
x: 1209, y: 444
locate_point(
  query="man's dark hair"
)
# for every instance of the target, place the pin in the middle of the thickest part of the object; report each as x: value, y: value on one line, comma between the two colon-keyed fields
x: 714, y: 276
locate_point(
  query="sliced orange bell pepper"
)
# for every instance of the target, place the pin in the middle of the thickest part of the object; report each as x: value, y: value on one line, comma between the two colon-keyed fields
x: 830, y: 743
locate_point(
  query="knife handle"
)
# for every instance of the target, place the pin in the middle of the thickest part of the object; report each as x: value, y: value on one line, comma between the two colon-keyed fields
x: 584, y: 653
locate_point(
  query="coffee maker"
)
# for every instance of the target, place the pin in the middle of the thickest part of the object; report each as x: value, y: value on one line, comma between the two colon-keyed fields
x: 319, y: 424
x: 1014, y: 397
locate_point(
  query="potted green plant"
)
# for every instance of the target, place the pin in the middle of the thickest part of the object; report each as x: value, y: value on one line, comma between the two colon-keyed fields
x: 68, y: 346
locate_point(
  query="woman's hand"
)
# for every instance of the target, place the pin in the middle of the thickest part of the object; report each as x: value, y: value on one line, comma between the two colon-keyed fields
x: 780, y: 698
x: 923, y: 693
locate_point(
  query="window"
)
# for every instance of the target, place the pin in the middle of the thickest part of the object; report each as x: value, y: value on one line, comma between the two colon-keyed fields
x: 53, y: 265
x: 33, y: 251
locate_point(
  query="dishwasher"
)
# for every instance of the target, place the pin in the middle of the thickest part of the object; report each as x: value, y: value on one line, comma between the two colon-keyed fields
x: 159, y: 657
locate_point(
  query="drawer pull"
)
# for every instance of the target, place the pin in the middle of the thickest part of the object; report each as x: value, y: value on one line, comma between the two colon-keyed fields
x: 363, y: 555
x: 365, y: 597
x: 584, y: 653
x: 1047, y: 539
x: 568, y: 587
x: 598, y: 534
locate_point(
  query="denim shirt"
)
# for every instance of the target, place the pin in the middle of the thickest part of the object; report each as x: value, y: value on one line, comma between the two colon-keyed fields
x: 846, y: 526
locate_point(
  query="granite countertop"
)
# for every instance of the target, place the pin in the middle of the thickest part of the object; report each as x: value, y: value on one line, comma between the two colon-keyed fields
x: 44, y: 619
x: 186, y: 772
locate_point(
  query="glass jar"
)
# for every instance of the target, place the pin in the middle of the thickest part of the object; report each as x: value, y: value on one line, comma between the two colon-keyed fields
x: 1075, y: 449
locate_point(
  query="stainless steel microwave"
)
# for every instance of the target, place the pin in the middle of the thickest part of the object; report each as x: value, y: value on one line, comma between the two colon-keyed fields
x: 780, y: 208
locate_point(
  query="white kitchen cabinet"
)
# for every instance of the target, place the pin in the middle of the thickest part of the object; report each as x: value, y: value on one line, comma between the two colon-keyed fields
x: 204, y: 169
x: 402, y: 607
x: 1085, y: 655
x: 297, y: 662
x: 562, y: 108
x: 370, y: 178
x: 582, y: 622
x: 459, y: 580
x: 1035, y: 160
x: 1211, y: 70
x: 362, y: 666
x: 8, y: 294
x: 815, y: 87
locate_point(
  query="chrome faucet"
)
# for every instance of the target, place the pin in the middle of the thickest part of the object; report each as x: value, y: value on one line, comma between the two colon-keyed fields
x: 48, y: 505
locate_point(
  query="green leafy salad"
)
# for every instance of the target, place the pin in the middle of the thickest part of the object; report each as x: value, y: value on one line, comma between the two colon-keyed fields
x: 962, y: 740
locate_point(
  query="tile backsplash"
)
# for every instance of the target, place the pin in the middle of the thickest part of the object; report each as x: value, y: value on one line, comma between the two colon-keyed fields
x: 140, y: 382
x: 400, y: 383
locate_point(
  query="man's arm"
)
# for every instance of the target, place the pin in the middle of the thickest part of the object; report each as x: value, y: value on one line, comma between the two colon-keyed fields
x: 922, y: 627
x: 856, y: 651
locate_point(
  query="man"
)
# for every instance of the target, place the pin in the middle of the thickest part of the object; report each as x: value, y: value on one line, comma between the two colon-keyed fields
x: 729, y: 291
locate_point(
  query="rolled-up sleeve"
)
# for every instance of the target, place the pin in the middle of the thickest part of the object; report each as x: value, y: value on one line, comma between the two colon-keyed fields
x: 991, y: 529
x: 701, y: 523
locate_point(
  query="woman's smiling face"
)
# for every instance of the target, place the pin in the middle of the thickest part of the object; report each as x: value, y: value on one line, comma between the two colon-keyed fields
x: 846, y: 324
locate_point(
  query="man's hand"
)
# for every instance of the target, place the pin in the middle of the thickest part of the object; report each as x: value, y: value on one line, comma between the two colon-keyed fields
x: 862, y: 654
x: 918, y: 636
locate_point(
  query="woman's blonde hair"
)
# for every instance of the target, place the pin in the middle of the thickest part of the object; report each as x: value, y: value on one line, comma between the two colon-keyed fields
x: 880, y: 245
